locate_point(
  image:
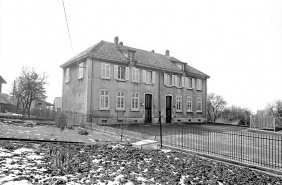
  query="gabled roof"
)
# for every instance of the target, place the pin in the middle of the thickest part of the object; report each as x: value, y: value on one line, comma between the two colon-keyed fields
x: 2, y: 80
x: 111, y: 51
x: 5, y: 99
x: 192, y: 70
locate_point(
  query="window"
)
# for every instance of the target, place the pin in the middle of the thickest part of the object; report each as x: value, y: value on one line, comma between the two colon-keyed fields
x: 179, y: 81
x: 189, y: 83
x: 105, y: 70
x: 199, y: 104
x: 199, y: 84
x: 135, y: 74
x: 189, y: 103
x: 120, y: 100
x: 67, y: 76
x: 180, y: 66
x: 178, y: 103
x: 121, y: 73
x: 169, y: 80
x: 80, y: 70
x: 149, y: 77
x: 104, y: 99
x: 135, y: 101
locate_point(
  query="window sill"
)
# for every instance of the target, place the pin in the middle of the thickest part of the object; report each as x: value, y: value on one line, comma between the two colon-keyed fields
x: 179, y: 87
x: 199, y: 111
x: 135, y: 110
x: 135, y: 82
x: 168, y: 85
x: 178, y: 111
x: 121, y: 110
x: 190, y: 88
x: 67, y: 82
x: 80, y: 78
x: 121, y: 80
x: 104, y: 109
x: 104, y: 78
x: 189, y: 111
x: 199, y: 89
x: 149, y: 83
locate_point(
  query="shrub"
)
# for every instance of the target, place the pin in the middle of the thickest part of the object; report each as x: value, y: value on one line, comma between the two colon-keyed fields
x: 83, y: 132
x: 61, y: 121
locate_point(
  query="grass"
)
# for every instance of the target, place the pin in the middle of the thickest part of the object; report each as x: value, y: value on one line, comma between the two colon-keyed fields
x: 51, y: 133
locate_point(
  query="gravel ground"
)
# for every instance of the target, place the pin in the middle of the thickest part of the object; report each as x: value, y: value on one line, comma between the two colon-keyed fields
x: 28, y: 163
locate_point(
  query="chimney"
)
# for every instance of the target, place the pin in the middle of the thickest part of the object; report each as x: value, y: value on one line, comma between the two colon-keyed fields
x: 121, y: 43
x: 116, y: 40
x: 167, y: 53
x: 153, y: 51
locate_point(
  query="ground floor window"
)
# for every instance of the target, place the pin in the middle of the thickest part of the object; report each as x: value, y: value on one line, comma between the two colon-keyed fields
x: 199, y: 104
x: 189, y: 103
x: 104, y: 99
x: 120, y: 100
x: 178, y: 103
x: 134, y: 101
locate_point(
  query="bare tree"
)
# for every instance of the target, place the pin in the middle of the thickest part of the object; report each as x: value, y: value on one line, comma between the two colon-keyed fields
x: 275, y: 109
x: 29, y: 86
x: 235, y: 112
x: 215, y: 106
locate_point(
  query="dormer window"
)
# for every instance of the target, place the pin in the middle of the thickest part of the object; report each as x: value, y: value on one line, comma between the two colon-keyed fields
x: 180, y: 66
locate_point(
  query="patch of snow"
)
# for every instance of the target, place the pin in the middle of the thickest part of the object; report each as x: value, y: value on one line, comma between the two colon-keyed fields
x: 22, y: 182
x: 7, y: 178
x: 22, y: 150
x: 34, y: 156
x: 165, y: 150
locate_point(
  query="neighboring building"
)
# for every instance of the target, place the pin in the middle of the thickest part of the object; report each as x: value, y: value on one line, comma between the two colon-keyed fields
x: 110, y: 80
x: 40, y: 104
x: 7, y: 104
x: 2, y: 81
x: 57, y: 104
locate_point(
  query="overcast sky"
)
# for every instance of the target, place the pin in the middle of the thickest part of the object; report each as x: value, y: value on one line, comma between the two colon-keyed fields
x: 237, y: 43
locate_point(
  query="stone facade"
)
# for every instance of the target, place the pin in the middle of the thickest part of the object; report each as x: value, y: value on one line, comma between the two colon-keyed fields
x: 103, y: 82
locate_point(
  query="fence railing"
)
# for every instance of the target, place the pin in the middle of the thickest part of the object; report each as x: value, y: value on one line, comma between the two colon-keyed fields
x: 258, y: 149
x: 253, y: 148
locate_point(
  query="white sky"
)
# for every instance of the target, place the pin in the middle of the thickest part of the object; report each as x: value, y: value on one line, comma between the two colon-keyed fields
x: 237, y: 43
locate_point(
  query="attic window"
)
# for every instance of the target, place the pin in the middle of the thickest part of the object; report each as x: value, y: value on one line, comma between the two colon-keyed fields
x: 180, y: 66
x: 131, y: 56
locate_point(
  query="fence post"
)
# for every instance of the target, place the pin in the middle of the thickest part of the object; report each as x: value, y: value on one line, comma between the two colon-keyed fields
x: 182, y: 137
x: 241, y: 147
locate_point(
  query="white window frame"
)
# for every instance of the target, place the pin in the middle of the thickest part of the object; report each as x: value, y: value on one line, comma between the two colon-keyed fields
x: 168, y: 76
x: 67, y: 75
x: 80, y: 70
x: 105, y: 70
x: 189, y: 104
x: 189, y: 83
x: 119, y: 72
x: 178, y: 103
x: 199, y: 84
x: 103, y: 98
x: 135, y: 75
x: 199, y: 102
x: 119, y: 97
x: 134, y: 100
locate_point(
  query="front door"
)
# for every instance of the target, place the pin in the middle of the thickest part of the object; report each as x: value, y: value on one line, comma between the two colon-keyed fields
x: 168, y: 109
x: 148, y: 108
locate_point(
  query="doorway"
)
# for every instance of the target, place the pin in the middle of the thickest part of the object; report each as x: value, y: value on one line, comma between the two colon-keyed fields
x: 168, y: 109
x: 148, y: 108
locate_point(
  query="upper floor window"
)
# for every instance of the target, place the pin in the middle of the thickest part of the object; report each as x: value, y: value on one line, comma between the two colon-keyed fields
x: 199, y: 104
x: 134, y: 101
x: 189, y: 103
x: 149, y: 77
x: 199, y: 84
x: 105, y: 70
x: 169, y: 80
x: 67, y: 75
x: 178, y: 103
x: 121, y: 72
x: 80, y: 70
x: 120, y: 100
x: 104, y: 99
x: 135, y: 74
x: 179, y: 81
x: 189, y: 83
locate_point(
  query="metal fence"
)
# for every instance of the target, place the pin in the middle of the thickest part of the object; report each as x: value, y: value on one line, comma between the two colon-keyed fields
x: 253, y: 148
x: 258, y: 149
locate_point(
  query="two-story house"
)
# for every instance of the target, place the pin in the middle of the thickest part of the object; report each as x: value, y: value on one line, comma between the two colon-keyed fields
x: 110, y: 81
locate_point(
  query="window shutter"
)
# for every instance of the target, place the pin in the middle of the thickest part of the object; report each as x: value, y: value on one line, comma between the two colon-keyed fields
x: 153, y: 77
x: 133, y: 73
x: 109, y: 71
x: 186, y: 82
x: 182, y: 78
x: 174, y: 80
x: 137, y: 71
x: 165, y: 79
x: 144, y: 76
x: 127, y: 73
x: 102, y: 69
x: 193, y: 83
x: 115, y: 71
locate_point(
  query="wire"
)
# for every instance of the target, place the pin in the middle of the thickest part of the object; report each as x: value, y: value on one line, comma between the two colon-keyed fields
x: 68, y: 26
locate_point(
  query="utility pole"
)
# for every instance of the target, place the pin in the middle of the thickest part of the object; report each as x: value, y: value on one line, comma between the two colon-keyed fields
x: 160, y: 118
